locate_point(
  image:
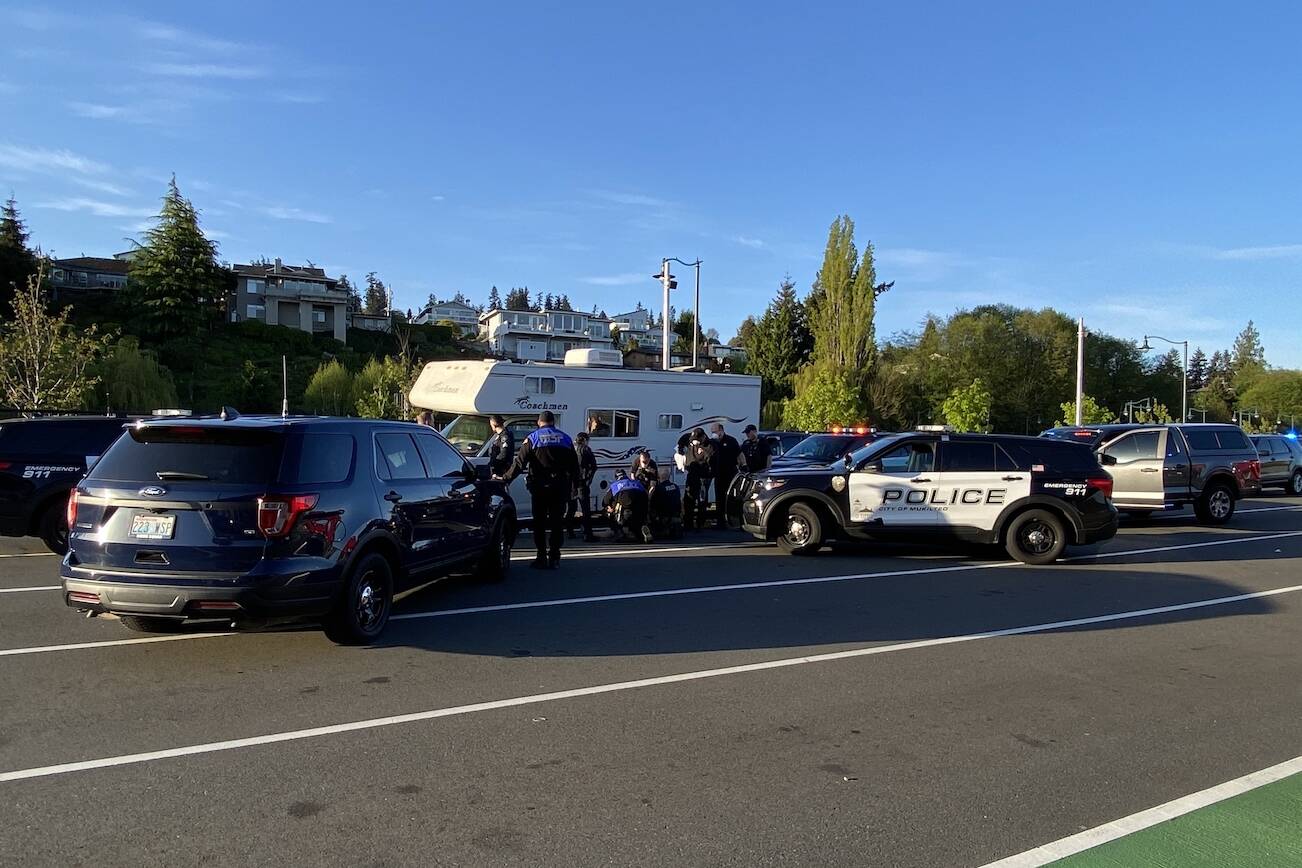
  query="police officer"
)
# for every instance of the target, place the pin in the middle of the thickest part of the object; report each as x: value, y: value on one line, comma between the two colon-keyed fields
x: 626, y: 500
x: 583, y: 491
x: 698, y: 455
x: 502, y: 451
x: 755, y: 453
x: 727, y: 455
x: 547, y: 457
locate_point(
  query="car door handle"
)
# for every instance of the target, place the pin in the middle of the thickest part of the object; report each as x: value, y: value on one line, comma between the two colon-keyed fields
x: 920, y: 479
x: 1148, y: 470
x: 393, y: 497
x: 1012, y: 478
x: 1177, y: 467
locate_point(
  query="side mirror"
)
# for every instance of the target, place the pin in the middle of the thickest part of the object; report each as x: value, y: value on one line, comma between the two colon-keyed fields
x: 872, y: 467
x: 1107, y: 460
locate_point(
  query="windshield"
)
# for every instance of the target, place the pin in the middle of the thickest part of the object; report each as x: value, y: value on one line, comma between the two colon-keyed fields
x: 193, y: 454
x: 824, y: 447
x: 876, y: 448
x: 468, y: 434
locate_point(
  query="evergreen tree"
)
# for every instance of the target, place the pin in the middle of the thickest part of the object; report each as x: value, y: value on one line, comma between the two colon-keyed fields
x: 175, y: 286
x: 563, y: 303
x: 494, y: 299
x: 1218, y: 367
x: 518, y: 299
x: 1248, y: 358
x: 780, y: 343
x: 1197, y: 369
x: 549, y: 303
x: 354, y: 297
x: 538, y: 301
x: 460, y: 297
x: 377, y: 295
x: 17, y: 260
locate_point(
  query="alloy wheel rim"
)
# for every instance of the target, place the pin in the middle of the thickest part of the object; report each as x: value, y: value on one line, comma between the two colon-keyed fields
x: 370, y: 603
x: 797, y: 530
x: 1220, y: 504
x: 1297, y: 483
x: 1037, y: 537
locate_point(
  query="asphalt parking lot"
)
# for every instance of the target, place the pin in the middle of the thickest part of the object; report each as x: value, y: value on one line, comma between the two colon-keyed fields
x: 709, y: 702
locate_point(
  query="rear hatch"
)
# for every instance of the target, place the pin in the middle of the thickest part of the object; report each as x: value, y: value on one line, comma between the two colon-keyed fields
x: 175, y: 499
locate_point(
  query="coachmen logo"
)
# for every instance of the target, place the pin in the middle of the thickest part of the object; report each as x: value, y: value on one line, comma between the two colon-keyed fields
x: 153, y: 491
x: 524, y: 403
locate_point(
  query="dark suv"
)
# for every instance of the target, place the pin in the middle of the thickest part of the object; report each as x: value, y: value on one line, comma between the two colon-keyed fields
x: 1033, y: 495
x: 40, y: 461
x: 1281, y: 461
x: 261, y: 519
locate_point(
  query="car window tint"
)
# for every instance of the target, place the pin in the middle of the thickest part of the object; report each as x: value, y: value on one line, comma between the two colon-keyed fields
x: 319, y: 458
x: 441, y: 460
x: 47, y: 437
x: 1174, y: 449
x: 909, y: 458
x: 1202, y: 440
x: 400, y: 457
x: 1231, y: 439
x: 1004, y: 461
x: 959, y: 456
x: 206, y: 453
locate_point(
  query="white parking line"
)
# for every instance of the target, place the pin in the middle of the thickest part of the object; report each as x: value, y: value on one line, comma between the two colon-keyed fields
x: 817, y: 580
x: 534, y: 699
x: 1166, y: 517
x: 672, y: 592
x: 1082, y: 841
x: 30, y: 555
x: 34, y: 588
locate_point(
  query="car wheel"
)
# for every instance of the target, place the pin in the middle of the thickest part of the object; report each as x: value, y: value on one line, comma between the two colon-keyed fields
x: 1295, y: 484
x: 1216, y: 506
x: 147, y: 624
x: 802, y: 531
x: 362, y: 612
x: 1037, y: 537
x: 496, y: 561
x: 53, y: 528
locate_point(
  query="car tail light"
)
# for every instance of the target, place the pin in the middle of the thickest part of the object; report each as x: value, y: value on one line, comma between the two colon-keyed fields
x: 1102, y: 483
x: 5, y: 465
x: 278, y: 512
x: 72, y: 509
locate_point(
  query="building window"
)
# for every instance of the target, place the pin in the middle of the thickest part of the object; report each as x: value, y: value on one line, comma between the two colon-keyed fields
x: 671, y: 422
x: 319, y: 316
x: 540, y: 385
x: 612, y: 423
x: 255, y: 287
x: 255, y: 311
x: 81, y: 278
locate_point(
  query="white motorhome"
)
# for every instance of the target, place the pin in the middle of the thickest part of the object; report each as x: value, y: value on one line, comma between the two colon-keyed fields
x: 624, y: 410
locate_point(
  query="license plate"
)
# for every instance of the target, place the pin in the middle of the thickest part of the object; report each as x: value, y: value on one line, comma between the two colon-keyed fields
x: 153, y: 526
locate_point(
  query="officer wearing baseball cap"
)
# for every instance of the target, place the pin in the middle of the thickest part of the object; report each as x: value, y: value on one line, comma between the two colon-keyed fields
x: 754, y: 451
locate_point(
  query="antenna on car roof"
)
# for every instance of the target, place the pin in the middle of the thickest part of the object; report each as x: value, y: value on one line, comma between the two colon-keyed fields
x: 284, y: 388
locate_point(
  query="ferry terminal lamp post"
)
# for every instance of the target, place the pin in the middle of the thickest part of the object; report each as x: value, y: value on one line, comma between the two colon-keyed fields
x: 1184, y: 372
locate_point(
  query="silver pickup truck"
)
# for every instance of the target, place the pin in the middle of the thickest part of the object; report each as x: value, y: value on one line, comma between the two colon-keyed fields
x: 1208, y: 466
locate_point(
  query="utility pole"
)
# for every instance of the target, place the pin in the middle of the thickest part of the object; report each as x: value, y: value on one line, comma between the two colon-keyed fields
x: 696, y: 317
x: 1080, y: 372
x: 667, y: 281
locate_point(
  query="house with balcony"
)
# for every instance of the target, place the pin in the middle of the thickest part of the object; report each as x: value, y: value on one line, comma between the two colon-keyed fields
x: 463, y: 315
x: 81, y: 276
x: 543, y: 336
x: 637, y: 330
x: 294, y: 296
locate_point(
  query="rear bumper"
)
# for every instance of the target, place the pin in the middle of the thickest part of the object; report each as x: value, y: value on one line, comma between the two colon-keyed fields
x: 300, y: 594
x: 1099, y: 526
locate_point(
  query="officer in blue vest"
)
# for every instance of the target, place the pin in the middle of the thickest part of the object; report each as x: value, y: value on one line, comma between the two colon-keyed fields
x: 548, y: 459
x: 626, y: 501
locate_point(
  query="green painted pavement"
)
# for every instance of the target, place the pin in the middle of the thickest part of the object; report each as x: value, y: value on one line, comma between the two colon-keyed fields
x: 1261, y: 829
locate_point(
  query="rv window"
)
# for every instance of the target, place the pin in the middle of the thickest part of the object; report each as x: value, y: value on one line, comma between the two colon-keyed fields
x: 671, y: 422
x: 540, y: 385
x: 613, y: 423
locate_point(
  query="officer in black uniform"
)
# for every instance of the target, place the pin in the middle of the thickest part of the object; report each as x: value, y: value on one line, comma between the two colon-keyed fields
x: 698, y: 454
x: 727, y: 456
x: 583, y: 491
x: 547, y: 457
x: 502, y: 451
x: 755, y: 452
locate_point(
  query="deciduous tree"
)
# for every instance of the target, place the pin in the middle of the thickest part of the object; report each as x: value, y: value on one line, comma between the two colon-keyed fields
x: 968, y: 407
x: 330, y: 391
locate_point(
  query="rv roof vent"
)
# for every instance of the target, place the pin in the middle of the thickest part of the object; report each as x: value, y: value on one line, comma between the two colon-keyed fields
x: 594, y: 358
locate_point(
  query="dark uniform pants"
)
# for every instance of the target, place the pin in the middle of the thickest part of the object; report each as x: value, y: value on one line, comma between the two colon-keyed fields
x: 722, y: 483
x: 549, y: 504
x: 584, y: 500
x: 695, y: 499
x: 630, y: 510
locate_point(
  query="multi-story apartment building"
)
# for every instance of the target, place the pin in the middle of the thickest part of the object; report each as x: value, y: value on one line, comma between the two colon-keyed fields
x: 295, y: 296
x: 465, y: 316
x: 637, y: 330
x: 543, y: 336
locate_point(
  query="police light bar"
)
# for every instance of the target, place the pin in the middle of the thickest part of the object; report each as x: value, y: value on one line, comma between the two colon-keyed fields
x: 949, y: 428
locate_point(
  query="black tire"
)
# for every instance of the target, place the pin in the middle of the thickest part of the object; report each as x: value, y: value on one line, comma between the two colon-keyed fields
x: 802, y: 530
x: 53, y: 527
x: 1036, y: 537
x: 495, y: 563
x: 360, y: 615
x: 147, y: 624
x: 1216, y: 506
x: 1295, y: 484
x: 1137, y: 514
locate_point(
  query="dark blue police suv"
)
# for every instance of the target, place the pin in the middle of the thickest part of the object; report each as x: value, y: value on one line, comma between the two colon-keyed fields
x: 259, y: 519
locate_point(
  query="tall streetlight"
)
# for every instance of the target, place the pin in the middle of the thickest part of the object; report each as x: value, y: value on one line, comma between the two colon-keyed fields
x: 668, y: 282
x: 1184, y: 372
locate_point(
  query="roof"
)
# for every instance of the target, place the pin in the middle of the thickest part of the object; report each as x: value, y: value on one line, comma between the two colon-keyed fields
x: 95, y: 263
x: 309, y: 272
x: 255, y: 421
x: 452, y: 303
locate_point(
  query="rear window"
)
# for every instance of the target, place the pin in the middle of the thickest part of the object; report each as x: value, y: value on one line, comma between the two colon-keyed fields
x: 1055, y: 456
x: 1216, y: 439
x: 53, y: 437
x: 316, y: 459
x: 199, y: 453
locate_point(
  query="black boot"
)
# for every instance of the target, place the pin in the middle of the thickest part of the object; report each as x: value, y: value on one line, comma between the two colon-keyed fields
x: 540, y: 562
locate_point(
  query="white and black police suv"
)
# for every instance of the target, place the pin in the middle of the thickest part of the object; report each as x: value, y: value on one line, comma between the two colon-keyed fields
x: 1034, y: 496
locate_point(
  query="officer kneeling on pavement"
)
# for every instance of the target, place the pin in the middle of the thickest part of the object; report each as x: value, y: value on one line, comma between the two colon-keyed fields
x: 551, y: 466
x: 626, y: 501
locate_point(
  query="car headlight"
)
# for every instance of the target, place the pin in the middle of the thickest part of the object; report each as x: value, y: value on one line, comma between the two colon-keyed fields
x: 770, y: 484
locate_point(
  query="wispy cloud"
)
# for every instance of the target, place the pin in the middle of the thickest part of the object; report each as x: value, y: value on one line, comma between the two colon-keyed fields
x: 638, y: 200
x: 152, y: 112
x: 626, y: 279
x: 1254, y: 254
x: 1149, y: 316
x: 746, y: 241
x: 293, y: 98
x: 100, y: 186
x: 919, y: 265
x: 47, y: 160
x: 96, y: 207
x: 206, y: 70
x: 281, y: 212
x: 168, y: 34
x: 437, y: 198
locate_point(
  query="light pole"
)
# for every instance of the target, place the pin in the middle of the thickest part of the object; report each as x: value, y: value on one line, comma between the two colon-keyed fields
x: 1141, y: 404
x: 668, y: 281
x: 1184, y: 371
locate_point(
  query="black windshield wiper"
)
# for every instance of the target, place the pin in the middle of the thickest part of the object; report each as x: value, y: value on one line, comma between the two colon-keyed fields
x: 180, y: 474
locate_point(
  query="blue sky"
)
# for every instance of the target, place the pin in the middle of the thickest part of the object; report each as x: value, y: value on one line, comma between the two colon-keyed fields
x: 1135, y: 164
